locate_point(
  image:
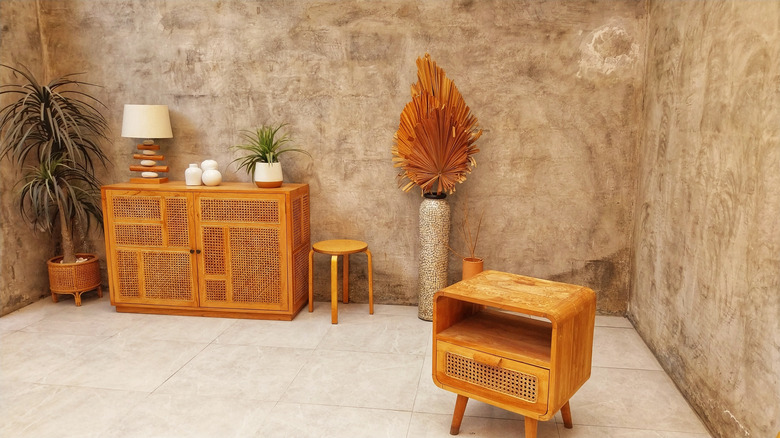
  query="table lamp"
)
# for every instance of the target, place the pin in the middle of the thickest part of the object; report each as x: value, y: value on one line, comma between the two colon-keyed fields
x: 147, y: 122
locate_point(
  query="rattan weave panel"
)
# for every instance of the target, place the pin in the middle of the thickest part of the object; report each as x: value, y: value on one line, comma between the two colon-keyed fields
x: 510, y: 382
x: 213, y: 251
x: 127, y: 271
x: 301, y: 274
x: 239, y: 210
x: 136, y: 207
x: 296, y: 222
x: 176, y: 222
x: 168, y: 276
x: 305, y: 222
x: 138, y: 234
x: 216, y: 291
x: 255, y: 265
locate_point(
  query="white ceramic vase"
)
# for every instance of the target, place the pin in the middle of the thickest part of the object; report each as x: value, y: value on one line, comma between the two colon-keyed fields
x: 268, y: 175
x: 192, y: 175
x: 212, y: 177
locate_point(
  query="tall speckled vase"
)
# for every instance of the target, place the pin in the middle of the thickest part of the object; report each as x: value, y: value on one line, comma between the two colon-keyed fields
x: 434, y: 238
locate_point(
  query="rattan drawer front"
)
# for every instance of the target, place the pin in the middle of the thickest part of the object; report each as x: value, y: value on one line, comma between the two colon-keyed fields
x: 243, y: 210
x: 513, y: 383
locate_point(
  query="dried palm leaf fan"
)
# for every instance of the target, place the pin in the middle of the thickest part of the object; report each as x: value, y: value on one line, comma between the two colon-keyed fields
x: 434, y: 144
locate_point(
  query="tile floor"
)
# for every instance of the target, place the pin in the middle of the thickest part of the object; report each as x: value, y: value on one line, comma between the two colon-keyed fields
x: 91, y: 372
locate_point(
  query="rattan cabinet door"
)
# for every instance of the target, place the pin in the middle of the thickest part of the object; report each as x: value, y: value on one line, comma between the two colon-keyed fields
x: 243, y: 263
x: 150, y: 236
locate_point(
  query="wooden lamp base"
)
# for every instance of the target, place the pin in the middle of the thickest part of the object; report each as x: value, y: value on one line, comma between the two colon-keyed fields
x: 149, y: 145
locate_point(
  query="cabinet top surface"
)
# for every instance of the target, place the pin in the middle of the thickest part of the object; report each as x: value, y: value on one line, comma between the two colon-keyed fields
x: 246, y: 187
x: 523, y: 294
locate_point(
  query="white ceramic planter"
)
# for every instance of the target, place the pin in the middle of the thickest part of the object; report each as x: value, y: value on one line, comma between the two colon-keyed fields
x: 268, y: 175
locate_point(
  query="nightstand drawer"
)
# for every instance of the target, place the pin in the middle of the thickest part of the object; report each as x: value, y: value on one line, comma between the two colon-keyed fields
x: 493, y: 377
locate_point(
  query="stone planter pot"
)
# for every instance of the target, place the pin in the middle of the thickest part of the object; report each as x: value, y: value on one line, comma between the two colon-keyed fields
x: 434, y: 237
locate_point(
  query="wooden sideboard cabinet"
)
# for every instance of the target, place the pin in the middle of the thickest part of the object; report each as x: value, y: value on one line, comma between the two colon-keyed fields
x: 232, y: 250
x: 519, y: 343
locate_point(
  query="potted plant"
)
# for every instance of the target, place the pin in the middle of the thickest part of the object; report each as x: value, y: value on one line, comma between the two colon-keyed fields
x: 52, y: 133
x: 263, y: 149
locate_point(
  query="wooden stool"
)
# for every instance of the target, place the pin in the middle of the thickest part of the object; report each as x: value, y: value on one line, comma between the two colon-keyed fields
x: 336, y: 248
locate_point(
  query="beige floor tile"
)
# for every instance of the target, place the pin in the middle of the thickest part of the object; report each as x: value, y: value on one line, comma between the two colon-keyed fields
x: 305, y: 420
x: 40, y: 411
x: 305, y: 331
x: 30, y: 357
x: 378, y: 333
x: 31, y: 314
x: 132, y: 364
x: 637, y: 399
x: 580, y: 431
x: 356, y: 379
x: 93, y: 318
x: 613, y: 321
x: 621, y: 348
x: 438, y: 426
x: 243, y: 371
x: 168, y: 415
x: 177, y: 328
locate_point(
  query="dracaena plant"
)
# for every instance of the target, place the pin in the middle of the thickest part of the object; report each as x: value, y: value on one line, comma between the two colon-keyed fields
x: 435, y: 141
x: 263, y: 145
x: 53, y: 134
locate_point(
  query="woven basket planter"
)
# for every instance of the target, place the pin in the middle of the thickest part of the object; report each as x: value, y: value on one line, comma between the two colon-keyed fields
x: 74, y: 278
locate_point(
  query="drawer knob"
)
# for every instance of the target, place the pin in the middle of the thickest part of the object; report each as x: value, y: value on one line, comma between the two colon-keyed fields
x: 487, y: 359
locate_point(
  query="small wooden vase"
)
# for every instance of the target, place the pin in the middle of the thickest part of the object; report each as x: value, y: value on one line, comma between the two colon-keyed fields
x: 471, y: 267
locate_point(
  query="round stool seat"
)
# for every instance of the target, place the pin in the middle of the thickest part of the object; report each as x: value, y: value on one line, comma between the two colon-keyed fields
x: 339, y: 246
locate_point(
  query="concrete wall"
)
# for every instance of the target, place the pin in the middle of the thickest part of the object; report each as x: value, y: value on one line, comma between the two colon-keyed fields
x: 707, y: 272
x: 556, y: 86
x: 23, y: 252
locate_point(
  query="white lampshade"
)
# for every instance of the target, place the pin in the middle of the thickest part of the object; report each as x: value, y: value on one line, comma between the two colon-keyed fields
x: 146, y: 121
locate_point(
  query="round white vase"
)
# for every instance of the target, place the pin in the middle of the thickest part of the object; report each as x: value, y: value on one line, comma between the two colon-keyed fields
x: 209, y: 165
x: 212, y: 177
x: 268, y: 175
x: 192, y: 175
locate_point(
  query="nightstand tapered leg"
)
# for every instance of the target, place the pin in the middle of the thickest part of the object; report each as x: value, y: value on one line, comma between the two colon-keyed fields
x: 566, y: 414
x: 530, y: 427
x: 457, y: 416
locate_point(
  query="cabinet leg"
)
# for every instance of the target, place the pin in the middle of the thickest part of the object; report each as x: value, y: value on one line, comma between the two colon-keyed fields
x: 346, y: 278
x: 457, y: 416
x: 54, y: 297
x: 100, y: 291
x: 311, y: 285
x: 334, y: 290
x: 531, y: 425
x: 370, y: 284
x: 566, y: 414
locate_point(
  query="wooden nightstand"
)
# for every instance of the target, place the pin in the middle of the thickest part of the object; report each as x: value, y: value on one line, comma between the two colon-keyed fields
x: 519, y: 343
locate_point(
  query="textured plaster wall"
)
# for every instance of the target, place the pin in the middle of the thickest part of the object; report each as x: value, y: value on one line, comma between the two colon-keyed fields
x: 706, y: 291
x: 23, y: 253
x: 556, y: 86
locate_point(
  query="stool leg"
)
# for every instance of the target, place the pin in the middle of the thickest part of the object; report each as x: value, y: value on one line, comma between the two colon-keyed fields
x: 334, y: 290
x: 345, y: 288
x: 531, y: 425
x: 370, y: 285
x: 457, y: 416
x: 566, y: 414
x: 311, y: 288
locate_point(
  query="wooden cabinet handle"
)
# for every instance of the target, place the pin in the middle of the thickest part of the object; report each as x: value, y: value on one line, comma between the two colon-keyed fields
x: 487, y: 359
x: 192, y: 251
